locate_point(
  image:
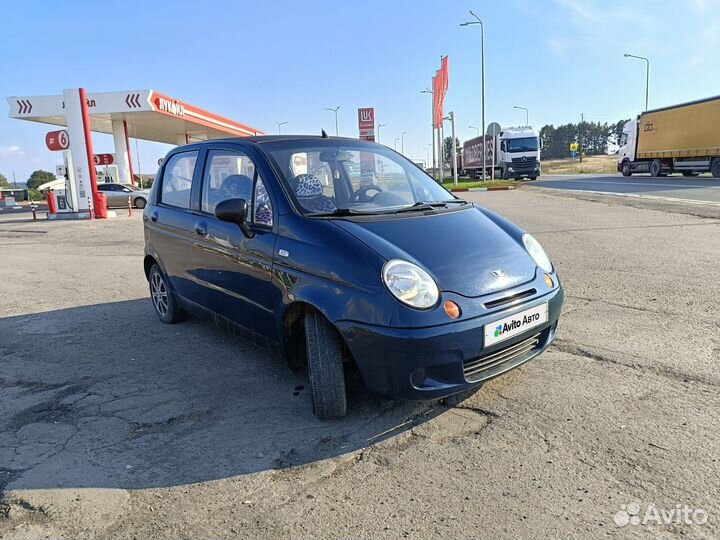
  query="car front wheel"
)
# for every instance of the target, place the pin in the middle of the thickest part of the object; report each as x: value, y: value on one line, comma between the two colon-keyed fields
x: 162, y: 298
x: 140, y: 203
x: 325, y: 367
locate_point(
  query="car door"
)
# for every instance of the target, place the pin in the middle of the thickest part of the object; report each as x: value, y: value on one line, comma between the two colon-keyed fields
x: 236, y: 269
x: 171, y: 223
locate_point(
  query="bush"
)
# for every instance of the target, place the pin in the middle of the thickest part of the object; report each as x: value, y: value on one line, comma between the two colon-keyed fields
x: 35, y: 195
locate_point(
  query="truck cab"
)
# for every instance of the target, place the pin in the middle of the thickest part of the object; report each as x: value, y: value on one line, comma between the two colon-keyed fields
x: 519, y: 153
x: 628, y: 145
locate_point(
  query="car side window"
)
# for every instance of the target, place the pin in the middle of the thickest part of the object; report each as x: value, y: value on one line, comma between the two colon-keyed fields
x: 228, y: 175
x: 262, y: 207
x: 177, y: 179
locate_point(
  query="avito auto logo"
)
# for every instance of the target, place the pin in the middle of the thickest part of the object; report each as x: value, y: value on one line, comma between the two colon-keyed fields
x: 516, y: 323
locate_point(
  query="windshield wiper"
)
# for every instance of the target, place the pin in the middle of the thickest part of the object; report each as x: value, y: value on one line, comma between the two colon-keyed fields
x: 430, y: 205
x: 340, y: 212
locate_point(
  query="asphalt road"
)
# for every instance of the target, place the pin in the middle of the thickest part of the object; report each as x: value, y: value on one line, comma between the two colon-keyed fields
x: 114, y: 425
x: 698, y: 190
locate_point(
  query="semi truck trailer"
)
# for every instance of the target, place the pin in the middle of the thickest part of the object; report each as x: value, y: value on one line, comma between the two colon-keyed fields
x: 682, y: 138
x: 517, y: 155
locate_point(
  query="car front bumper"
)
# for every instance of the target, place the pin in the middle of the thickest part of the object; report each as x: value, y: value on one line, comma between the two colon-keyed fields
x: 435, y: 362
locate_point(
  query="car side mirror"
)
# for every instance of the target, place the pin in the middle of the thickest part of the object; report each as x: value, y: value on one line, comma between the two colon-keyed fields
x: 235, y: 211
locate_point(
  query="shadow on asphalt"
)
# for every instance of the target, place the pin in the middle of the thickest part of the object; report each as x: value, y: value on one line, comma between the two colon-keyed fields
x: 107, y: 396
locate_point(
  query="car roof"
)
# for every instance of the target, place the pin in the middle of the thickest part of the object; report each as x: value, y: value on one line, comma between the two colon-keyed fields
x: 259, y: 139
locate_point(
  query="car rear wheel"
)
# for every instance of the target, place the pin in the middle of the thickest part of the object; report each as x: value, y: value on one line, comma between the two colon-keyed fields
x: 626, y: 168
x: 162, y: 298
x: 325, y: 367
x: 140, y: 203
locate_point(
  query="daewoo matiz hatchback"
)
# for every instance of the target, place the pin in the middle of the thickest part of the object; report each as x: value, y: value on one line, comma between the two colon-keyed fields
x: 334, y: 251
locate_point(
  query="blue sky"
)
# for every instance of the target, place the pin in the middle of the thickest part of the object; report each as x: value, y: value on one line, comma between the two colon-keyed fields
x: 262, y: 62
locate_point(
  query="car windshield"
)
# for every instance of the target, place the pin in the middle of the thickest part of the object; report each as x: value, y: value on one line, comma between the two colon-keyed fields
x: 332, y: 177
x: 525, y: 144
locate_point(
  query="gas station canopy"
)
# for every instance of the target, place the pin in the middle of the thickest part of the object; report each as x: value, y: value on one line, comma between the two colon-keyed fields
x: 147, y: 115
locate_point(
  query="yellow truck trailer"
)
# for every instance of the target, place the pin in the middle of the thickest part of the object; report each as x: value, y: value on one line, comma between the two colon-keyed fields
x: 682, y: 138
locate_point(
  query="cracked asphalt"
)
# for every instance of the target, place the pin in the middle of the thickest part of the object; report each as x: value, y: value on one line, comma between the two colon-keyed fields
x: 116, y: 426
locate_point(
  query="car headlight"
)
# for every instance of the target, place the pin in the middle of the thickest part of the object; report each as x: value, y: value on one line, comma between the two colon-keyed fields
x: 536, y: 251
x: 410, y: 284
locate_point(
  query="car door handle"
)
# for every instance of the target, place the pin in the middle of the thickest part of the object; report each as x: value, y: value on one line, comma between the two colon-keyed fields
x: 154, y: 216
x: 200, y: 229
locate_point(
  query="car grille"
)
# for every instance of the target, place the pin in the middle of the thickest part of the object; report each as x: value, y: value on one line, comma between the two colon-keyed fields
x: 529, y: 161
x: 509, y: 299
x: 474, y: 369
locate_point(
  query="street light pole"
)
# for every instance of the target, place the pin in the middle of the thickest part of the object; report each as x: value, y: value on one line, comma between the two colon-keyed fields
x: 454, y: 149
x: 396, y: 141
x: 335, y: 110
x: 527, y: 114
x: 280, y: 125
x: 432, y: 126
x: 402, y: 142
x: 482, y: 56
x: 477, y: 130
x: 647, y: 75
x: 377, y: 139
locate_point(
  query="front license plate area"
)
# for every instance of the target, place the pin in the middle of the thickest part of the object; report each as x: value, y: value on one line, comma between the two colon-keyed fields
x: 516, y: 324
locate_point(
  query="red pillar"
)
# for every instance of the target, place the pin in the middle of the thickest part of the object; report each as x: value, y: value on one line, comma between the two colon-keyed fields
x: 88, y: 141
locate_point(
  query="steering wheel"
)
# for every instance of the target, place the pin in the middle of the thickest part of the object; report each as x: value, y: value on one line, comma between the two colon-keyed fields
x: 361, y: 194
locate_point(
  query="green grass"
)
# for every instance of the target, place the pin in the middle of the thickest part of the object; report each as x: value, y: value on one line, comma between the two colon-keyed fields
x: 448, y: 183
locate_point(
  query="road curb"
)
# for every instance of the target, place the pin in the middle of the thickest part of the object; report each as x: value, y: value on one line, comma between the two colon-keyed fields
x: 498, y: 188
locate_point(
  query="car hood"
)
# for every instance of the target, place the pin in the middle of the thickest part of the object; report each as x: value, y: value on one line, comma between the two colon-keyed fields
x: 460, y: 249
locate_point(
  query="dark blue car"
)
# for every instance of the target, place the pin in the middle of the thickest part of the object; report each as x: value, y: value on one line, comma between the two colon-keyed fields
x: 335, y: 251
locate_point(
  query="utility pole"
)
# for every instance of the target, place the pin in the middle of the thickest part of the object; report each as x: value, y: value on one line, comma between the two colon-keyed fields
x: 432, y: 126
x: 377, y: 139
x: 482, y: 56
x: 280, y: 125
x: 402, y: 142
x: 335, y: 110
x: 454, y: 149
x: 527, y: 114
x: 582, y: 135
x: 396, y: 141
x: 647, y: 75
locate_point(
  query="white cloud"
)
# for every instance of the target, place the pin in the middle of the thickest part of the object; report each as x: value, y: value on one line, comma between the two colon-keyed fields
x: 11, y: 151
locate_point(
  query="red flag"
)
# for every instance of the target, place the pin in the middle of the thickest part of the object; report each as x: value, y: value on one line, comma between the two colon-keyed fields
x: 445, y: 70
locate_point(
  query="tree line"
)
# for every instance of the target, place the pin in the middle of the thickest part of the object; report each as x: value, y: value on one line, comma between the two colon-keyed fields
x: 593, y: 138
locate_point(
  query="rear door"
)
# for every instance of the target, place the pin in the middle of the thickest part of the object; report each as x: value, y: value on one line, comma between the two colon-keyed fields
x: 171, y: 223
x: 236, y: 270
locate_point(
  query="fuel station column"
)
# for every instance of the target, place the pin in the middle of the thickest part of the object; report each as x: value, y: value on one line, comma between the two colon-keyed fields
x: 78, y: 123
x: 122, y: 156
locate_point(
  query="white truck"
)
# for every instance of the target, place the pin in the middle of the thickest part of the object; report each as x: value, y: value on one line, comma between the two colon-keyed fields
x: 517, y: 155
x: 682, y: 138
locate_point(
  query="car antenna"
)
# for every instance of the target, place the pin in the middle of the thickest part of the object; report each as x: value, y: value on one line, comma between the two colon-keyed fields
x: 323, y: 134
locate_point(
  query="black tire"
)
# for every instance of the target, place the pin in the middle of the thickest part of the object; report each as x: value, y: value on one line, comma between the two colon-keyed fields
x: 140, y: 203
x: 655, y: 168
x: 162, y: 298
x: 625, y: 169
x: 533, y: 178
x: 325, y: 367
x: 715, y: 168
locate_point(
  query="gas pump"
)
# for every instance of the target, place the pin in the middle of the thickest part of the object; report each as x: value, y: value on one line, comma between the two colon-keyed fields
x: 66, y: 197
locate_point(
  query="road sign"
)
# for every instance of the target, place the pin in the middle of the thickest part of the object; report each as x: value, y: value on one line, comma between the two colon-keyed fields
x: 493, y: 129
x: 57, y: 140
x: 104, y: 159
x: 574, y: 147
